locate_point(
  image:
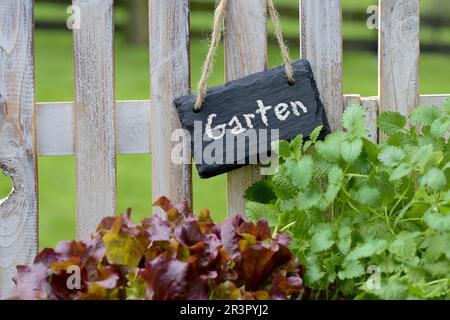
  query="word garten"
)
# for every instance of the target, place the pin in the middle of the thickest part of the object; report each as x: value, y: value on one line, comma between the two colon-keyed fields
x: 281, y: 112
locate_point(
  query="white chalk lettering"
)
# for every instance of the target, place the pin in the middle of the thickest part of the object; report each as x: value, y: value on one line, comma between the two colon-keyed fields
x: 263, y: 110
x: 282, y: 112
x: 248, y: 120
x: 238, y: 129
x: 210, y: 132
x: 297, y: 104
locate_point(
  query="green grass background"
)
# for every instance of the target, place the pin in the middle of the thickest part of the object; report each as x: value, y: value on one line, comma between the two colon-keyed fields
x: 54, y: 82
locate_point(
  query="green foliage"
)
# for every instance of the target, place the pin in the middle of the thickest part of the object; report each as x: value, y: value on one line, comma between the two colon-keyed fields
x: 354, y: 120
x: 353, y: 207
x: 391, y: 122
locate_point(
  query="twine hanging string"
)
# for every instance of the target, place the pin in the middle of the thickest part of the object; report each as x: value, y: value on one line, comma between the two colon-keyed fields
x: 219, y: 18
x: 275, y: 16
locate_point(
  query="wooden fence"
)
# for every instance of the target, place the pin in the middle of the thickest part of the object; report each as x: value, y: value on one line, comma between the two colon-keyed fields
x: 96, y: 128
x: 137, y: 17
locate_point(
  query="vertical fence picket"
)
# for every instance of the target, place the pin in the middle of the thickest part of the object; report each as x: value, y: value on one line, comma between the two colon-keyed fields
x: 18, y: 212
x: 170, y: 77
x: 321, y: 43
x: 95, y: 141
x: 399, y: 51
x: 370, y: 105
x: 245, y: 39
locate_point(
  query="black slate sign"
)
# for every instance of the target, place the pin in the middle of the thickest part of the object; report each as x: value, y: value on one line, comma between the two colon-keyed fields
x: 239, y: 120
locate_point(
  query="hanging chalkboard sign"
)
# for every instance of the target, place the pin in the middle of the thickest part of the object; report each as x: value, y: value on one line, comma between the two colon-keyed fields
x: 238, y: 121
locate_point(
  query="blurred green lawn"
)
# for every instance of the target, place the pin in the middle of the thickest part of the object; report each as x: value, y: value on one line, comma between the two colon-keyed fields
x: 54, y: 73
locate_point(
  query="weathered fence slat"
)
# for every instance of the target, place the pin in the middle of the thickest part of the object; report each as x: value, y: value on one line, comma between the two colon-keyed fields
x: 245, y: 39
x: 433, y: 99
x: 321, y: 44
x: 399, y: 51
x: 95, y: 142
x: 370, y: 105
x: 55, y: 123
x: 18, y: 212
x: 170, y: 76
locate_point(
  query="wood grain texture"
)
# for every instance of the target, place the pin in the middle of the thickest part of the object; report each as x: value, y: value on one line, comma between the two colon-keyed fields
x: 95, y: 141
x: 170, y: 77
x: 55, y: 123
x: 433, y: 99
x: 55, y: 127
x: 370, y: 105
x: 19, y: 211
x: 398, y: 55
x: 133, y: 127
x: 321, y: 44
x: 245, y: 39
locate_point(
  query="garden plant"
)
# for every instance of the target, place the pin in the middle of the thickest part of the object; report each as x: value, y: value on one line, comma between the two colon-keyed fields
x: 368, y: 220
x: 342, y: 218
x: 179, y: 257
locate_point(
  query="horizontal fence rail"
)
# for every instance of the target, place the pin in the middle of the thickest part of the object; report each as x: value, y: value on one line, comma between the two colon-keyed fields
x: 55, y: 122
x: 56, y: 132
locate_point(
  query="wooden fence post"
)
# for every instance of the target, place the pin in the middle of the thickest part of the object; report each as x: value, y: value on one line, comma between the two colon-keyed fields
x: 18, y: 212
x: 321, y: 44
x: 170, y: 78
x: 95, y: 141
x: 245, y: 39
x: 399, y: 51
